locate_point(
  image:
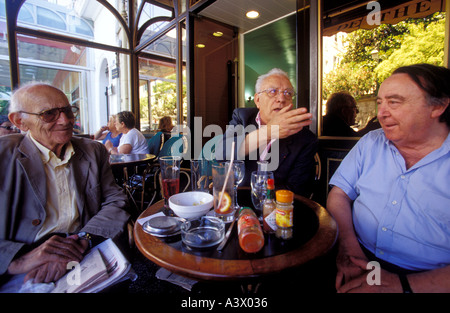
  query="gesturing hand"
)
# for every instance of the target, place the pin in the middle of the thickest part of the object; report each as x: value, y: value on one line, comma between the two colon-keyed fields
x: 289, y: 121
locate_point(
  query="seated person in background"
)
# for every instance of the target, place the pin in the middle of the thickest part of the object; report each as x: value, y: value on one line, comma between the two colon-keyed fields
x: 391, y: 195
x: 50, y: 189
x: 6, y: 127
x: 341, y: 114
x: 274, y: 129
x: 132, y: 141
x: 166, y: 126
x: 109, y: 132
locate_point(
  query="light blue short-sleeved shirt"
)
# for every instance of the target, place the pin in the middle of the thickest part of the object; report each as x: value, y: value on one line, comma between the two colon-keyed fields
x: 401, y: 215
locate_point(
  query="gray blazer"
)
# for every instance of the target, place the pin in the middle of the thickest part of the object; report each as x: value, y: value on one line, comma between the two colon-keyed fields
x: 101, y: 202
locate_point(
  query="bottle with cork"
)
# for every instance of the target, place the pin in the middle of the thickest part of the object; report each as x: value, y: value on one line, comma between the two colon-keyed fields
x: 284, y: 214
x: 269, y: 212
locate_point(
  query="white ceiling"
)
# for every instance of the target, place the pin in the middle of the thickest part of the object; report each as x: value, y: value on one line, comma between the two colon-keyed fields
x: 232, y: 12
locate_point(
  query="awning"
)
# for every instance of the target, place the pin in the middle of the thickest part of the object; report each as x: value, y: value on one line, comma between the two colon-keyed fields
x: 374, y: 13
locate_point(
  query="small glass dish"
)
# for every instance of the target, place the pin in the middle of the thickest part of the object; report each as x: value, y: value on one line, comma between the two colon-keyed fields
x: 204, y: 232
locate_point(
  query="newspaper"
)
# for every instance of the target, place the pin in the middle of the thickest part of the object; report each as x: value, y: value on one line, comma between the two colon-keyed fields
x: 103, y: 266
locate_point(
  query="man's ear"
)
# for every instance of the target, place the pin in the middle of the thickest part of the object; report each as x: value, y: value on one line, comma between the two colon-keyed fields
x: 256, y: 99
x: 438, y: 110
x: 17, y: 120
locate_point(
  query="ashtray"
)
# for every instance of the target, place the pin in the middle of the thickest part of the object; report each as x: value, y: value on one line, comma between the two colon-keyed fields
x: 163, y: 226
x: 204, y: 232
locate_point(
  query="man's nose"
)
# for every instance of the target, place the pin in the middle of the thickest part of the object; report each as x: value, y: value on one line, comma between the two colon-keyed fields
x: 64, y: 118
x: 382, y: 109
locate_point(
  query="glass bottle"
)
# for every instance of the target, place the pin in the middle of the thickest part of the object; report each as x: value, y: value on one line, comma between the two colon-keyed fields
x: 284, y: 214
x: 269, y: 212
x: 251, y: 237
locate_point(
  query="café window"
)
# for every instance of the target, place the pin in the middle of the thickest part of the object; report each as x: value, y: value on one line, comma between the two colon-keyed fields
x: 358, y: 57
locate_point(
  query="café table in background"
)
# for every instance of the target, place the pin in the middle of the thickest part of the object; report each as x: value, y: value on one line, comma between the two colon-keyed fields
x: 315, y: 233
x: 124, y: 166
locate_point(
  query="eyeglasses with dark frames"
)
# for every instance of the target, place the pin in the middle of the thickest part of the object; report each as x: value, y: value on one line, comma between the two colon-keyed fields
x: 273, y: 92
x: 52, y: 115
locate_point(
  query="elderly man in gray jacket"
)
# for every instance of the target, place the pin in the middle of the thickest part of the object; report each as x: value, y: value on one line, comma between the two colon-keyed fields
x: 52, y: 184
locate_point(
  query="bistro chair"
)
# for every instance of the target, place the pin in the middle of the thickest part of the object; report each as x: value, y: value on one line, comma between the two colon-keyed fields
x: 156, y: 143
x: 317, y: 174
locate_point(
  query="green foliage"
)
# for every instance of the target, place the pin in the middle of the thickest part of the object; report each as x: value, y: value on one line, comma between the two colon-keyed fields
x: 420, y: 45
x: 352, y: 77
x: 163, y: 100
x: 408, y: 42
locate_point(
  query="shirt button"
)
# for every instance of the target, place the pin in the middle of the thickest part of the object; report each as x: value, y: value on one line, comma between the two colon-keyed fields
x: 384, y: 229
x: 381, y: 252
x: 394, y: 202
x: 35, y: 222
x: 403, y: 177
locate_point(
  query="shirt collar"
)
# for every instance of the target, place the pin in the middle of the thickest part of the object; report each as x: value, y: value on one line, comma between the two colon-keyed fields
x: 47, y: 155
x: 258, y: 119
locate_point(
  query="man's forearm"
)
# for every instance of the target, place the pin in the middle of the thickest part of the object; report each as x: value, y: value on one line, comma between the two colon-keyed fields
x: 339, y: 205
x: 437, y: 280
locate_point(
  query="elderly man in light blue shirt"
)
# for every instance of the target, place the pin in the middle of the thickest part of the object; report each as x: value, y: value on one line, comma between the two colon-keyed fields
x: 391, y: 196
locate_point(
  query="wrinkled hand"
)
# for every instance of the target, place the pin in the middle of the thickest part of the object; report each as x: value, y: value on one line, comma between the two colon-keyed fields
x: 289, y: 121
x: 49, y: 260
x: 385, y: 282
x: 346, y: 269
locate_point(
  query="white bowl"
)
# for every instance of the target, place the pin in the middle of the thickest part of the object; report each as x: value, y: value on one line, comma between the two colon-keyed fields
x: 191, y: 204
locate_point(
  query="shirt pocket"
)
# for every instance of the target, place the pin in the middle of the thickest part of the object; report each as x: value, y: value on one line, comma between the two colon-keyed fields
x: 434, y: 219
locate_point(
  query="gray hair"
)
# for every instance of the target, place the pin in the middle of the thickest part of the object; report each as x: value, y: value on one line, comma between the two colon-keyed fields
x: 274, y: 71
x: 20, y: 96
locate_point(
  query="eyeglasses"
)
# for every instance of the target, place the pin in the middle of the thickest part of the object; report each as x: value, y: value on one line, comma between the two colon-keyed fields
x: 52, y: 115
x: 273, y: 92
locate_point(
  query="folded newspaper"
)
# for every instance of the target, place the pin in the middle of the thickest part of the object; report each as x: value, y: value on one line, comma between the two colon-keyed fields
x: 103, y: 266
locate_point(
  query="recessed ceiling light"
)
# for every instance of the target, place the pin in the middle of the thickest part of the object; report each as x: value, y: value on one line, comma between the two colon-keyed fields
x: 200, y: 45
x: 218, y: 34
x: 252, y: 14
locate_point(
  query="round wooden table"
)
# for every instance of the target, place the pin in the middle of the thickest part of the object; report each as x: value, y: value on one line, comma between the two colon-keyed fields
x: 315, y: 233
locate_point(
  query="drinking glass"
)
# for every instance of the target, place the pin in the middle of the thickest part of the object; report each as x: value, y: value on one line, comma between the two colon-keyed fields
x: 225, y: 210
x: 200, y: 175
x: 259, y: 189
x: 170, y: 177
x: 239, y: 173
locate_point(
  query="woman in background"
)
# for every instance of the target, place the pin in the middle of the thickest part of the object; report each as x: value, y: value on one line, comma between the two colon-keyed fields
x: 109, y: 132
x: 132, y: 141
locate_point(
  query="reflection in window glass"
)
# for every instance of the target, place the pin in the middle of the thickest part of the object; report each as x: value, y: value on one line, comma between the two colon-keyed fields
x: 49, y: 18
x: 5, y: 87
x: 150, y: 11
x: 68, y: 81
x: 79, y: 26
x: 358, y: 62
x: 25, y: 14
x: 74, y: 18
x: 157, y: 92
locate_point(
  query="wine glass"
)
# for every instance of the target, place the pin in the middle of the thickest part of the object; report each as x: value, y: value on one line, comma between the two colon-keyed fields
x: 259, y: 189
x: 239, y: 173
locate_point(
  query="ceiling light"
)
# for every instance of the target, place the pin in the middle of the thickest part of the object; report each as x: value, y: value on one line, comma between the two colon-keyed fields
x: 200, y: 45
x: 252, y: 14
x: 218, y: 34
